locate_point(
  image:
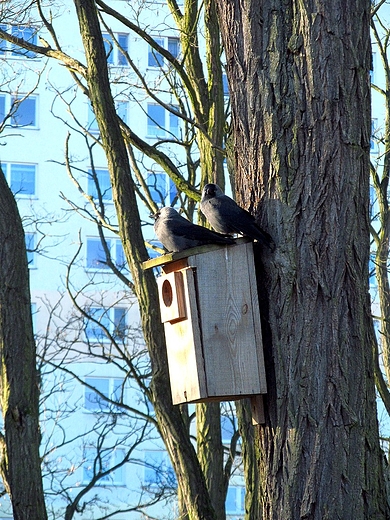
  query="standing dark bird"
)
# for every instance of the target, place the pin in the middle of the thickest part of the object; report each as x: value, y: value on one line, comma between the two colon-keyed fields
x: 177, y: 233
x: 227, y: 217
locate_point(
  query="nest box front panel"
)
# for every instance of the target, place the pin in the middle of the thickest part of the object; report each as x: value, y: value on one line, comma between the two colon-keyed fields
x: 230, y: 321
x: 179, y: 314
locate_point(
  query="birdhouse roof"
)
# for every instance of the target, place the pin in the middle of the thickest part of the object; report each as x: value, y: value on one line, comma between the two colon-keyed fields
x: 173, y: 257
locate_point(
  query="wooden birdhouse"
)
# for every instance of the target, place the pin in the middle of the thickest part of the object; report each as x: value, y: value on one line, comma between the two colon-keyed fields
x: 209, y: 307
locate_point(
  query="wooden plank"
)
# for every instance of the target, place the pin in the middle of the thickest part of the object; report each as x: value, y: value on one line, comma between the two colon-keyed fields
x: 172, y: 297
x: 175, y: 266
x: 184, y: 350
x: 256, y: 319
x: 159, y: 260
x: 172, y: 257
x: 232, y: 348
x: 219, y: 399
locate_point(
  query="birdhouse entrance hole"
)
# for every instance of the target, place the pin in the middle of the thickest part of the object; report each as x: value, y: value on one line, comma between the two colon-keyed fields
x: 167, y: 294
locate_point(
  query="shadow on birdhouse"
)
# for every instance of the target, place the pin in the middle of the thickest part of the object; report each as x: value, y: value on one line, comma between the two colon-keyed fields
x: 210, y: 311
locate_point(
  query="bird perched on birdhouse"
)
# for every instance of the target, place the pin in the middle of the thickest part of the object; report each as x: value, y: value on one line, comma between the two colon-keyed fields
x: 227, y: 217
x: 177, y: 233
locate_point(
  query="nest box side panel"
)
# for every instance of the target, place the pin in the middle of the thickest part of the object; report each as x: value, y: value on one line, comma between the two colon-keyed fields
x: 256, y: 317
x: 230, y: 321
x: 179, y: 314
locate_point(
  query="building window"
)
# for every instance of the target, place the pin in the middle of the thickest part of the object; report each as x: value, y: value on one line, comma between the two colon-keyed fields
x: 96, y: 255
x: 104, y: 323
x: 235, y: 500
x: 122, y: 108
x: 374, y: 148
x: 34, y: 311
x: 372, y: 271
x: 99, y: 184
x: 24, y: 111
x: 116, y: 51
x: 374, y: 206
x: 120, y: 259
x: 158, y: 470
x: 161, y: 122
x: 21, y: 110
x: 101, y: 464
x: 174, y: 46
x: 162, y: 188
x: 2, y: 107
x: 225, y: 85
x: 3, y: 43
x: 105, y: 387
x: 174, y: 123
x: 24, y: 32
x: 21, y: 178
x: 29, y: 34
x: 98, y: 326
x: 123, y: 41
x: 228, y: 428
x: 31, y: 239
x: 156, y: 120
x: 373, y: 66
x: 155, y: 59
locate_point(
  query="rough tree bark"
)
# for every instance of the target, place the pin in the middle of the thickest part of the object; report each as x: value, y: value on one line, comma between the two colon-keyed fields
x: 299, y: 81
x: 20, y: 463
x: 210, y: 454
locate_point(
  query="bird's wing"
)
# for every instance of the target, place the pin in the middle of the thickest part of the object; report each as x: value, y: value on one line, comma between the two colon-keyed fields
x: 186, y: 229
x: 224, y: 213
x: 246, y: 225
x: 223, y: 202
x: 240, y: 220
x: 217, y: 211
x: 177, y: 226
x: 239, y: 217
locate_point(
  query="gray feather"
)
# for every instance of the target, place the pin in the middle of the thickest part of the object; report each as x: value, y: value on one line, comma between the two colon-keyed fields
x: 177, y: 233
x: 227, y: 217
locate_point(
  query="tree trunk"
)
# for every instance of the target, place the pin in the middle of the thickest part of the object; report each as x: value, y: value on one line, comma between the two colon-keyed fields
x: 299, y: 83
x: 250, y: 456
x: 210, y: 454
x: 20, y: 463
x: 193, y: 491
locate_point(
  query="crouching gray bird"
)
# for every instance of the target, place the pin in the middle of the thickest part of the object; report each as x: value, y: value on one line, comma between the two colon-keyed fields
x: 227, y: 217
x: 177, y: 233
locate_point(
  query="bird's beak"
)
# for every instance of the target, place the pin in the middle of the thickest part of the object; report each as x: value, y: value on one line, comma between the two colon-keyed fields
x: 155, y: 216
